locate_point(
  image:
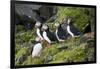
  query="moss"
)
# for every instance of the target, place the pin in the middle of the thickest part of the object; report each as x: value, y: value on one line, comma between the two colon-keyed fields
x: 23, y: 36
x: 56, y: 61
x: 17, y: 48
x: 21, y: 51
x: 90, y: 54
x: 19, y: 54
x: 28, y: 61
x: 74, y: 55
x: 19, y: 28
x: 33, y: 61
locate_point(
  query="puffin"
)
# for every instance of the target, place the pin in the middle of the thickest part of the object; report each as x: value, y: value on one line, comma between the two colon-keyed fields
x: 49, y: 36
x: 38, y: 27
x: 72, y: 30
x: 37, y: 47
x: 60, y: 32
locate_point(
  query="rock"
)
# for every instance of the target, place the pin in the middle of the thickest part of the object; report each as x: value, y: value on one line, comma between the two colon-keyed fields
x: 35, y: 12
x: 62, y: 47
x: 90, y: 55
x: 92, y: 20
x: 21, y: 58
x: 26, y: 9
x: 90, y: 43
x: 51, y: 19
x: 88, y: 39
x: 27, y: 15
x: 84, y: 38
x: 48, y: 58
x: 87, y: 28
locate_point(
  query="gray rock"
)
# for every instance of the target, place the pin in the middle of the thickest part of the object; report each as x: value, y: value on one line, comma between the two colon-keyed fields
x: 35, y: 12
x: 90, y: 43
x: 48, y: 58
x: 21, y: 58
x: 62, y: 47
x: 26, y: 9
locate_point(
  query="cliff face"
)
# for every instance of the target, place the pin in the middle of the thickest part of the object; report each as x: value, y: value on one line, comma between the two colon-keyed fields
x: 78, y: 49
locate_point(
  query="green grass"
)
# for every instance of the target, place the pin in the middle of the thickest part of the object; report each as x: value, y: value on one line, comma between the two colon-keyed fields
x: 74, y: 53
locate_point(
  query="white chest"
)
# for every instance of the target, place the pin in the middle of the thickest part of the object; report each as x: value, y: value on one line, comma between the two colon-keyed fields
x: 69, y: 31
x: 36, y: 50
x: 45, y: 37
x: 38, y: 33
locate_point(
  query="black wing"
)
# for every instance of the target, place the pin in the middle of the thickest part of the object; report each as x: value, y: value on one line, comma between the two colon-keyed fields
x: 51, y: 36
x: 62, y: 33
x: 74, y: 30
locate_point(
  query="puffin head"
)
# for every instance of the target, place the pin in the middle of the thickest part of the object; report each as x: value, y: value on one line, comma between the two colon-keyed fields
x: 69, y: 20
x: 45, y: 27
x: 38, y: 24
x: 57, y: 25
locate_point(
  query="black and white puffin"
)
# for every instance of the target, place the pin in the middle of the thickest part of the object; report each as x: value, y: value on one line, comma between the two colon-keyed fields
x: 37, y: 47
x: 60, y: 32
x: 39, y: 32
x: 72, y: 30
x: 49, y: 36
